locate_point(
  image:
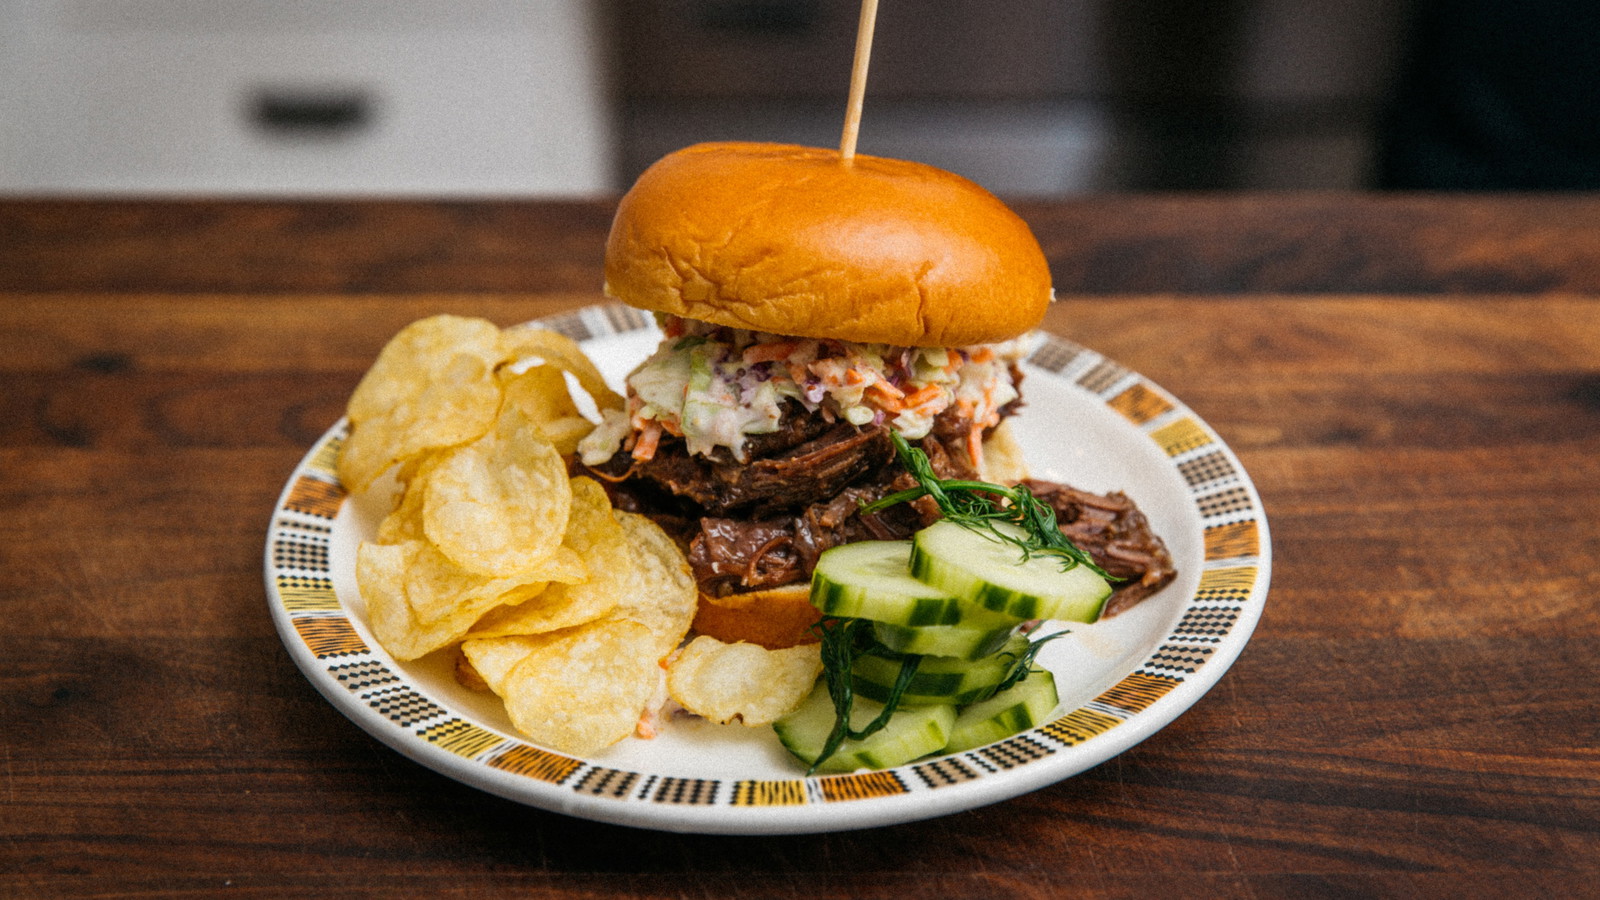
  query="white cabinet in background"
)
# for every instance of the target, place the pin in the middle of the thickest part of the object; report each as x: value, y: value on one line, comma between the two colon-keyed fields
x: 467, y: 97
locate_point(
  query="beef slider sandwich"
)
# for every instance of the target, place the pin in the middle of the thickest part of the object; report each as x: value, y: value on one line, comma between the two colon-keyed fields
x: 811, y: 307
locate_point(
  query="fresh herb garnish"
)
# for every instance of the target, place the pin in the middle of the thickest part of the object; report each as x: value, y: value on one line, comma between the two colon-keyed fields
x: 841, y: 641
x: 1023, y: 664
x: 979, y: 505
x: 976, y: 505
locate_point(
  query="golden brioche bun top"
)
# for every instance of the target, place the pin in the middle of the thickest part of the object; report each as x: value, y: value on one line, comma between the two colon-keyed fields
x: 795, y: 240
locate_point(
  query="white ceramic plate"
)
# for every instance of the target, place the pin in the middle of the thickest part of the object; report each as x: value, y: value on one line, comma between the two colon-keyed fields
x: 1088, y: 422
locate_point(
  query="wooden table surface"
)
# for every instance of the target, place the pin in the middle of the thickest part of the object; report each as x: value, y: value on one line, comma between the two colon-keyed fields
x: 1413, y: 383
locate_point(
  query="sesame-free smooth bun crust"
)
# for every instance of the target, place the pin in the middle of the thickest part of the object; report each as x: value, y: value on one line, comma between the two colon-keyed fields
x: 795, y: 240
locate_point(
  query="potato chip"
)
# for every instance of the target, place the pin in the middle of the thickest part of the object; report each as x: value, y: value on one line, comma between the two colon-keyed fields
x: 499, y: 505
x: 432, y: 386
x: 418, y: 601
x: 564, y: 353
x: 388, y: 613
x: 438, y: 589
x: 663, y: 593
x: 494, y: 658
x: 417, y: 640
x: 561, y: 606
x: 541, y: 394
x: 595, y: 536
x: 466, y: 675
x: 539, y: 391
x: 582, y: 689
x: 549, y: 611
x: 404, y: 522
x: 381, y: 576
x: 424, y: 346
x: 742, y: 682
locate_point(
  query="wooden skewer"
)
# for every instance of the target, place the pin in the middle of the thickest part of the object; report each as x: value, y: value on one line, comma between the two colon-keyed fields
x: 858, y: 79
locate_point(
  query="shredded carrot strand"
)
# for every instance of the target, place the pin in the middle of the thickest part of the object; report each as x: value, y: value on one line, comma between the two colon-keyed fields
x: 649, y: 439
x: 888, y: 397
x: 927, y: 394
x: 886, y: 389
x: 775, y: 350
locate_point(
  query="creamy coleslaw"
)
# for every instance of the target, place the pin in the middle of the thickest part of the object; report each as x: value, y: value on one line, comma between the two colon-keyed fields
x: 714, y: 386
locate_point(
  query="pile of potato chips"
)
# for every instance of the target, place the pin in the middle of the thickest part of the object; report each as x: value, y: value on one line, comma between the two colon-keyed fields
x: 569, y: 610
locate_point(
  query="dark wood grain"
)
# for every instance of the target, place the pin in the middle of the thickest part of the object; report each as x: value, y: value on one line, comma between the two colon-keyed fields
x: 1413, y: 383
x: 1396, y: 244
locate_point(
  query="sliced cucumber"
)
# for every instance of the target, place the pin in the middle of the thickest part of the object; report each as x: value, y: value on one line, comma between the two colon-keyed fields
x: 961, y: 641
x: 1017, y: 708
x: 938, y: 679
x: 912, y: 733
x: 871, y: 580
x: 993, y: 573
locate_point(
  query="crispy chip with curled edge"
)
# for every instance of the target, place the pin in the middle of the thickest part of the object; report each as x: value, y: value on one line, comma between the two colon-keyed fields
x: 560, y: 605
x: 743, y: 682
x: 431, y: 386
x: 663, y: 593
x: 580, y: 690
x: 540, y: 393
x: 495, y: 657
x: 418, y: 640
x: 417, y: 601
x: 404, y: 522
x: 381, y: 577
x: 424, y: 346
x: 437, y: 588
x: 499, y: 505
x: 596, y: 538
x: 525, y: 341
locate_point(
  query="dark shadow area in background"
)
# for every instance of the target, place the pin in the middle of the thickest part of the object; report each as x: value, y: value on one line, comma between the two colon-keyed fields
x: 1197, y: 95
x: 1172, y: 66
x: 1496, y: 95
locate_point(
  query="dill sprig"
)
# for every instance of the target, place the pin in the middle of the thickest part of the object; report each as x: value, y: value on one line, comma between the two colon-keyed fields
x: 977, y: 505
x: 841, y: 640
x: 1023, y: 663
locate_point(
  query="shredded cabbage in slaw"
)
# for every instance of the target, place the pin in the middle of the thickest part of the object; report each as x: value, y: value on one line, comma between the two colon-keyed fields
x: 714, y: 385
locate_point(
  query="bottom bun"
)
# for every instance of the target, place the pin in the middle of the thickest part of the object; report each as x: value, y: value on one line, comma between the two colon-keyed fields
x: 774, y: 618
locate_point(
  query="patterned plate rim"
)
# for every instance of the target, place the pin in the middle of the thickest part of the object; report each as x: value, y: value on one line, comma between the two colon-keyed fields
x: 372, y: 690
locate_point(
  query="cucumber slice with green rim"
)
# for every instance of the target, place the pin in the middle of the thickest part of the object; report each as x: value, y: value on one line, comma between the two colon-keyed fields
x: 938, y: 679
x: 992, y: 573
x: 960, y: 641
x: 911, y: 733
x: 1015, y: 709
x: 871, y: 580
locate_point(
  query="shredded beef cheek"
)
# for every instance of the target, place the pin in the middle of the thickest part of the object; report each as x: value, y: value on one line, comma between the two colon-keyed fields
x: 806, y: 473
x: 1112, y: 530
x: 763, y: 523
x: 738, y: 554
x: 729, y: 555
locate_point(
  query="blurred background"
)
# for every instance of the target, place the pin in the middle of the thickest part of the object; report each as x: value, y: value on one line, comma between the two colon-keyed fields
x: 575, y: 97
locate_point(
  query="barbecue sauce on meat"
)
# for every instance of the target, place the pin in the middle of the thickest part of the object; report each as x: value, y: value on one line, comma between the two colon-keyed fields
x: 763, y: 523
